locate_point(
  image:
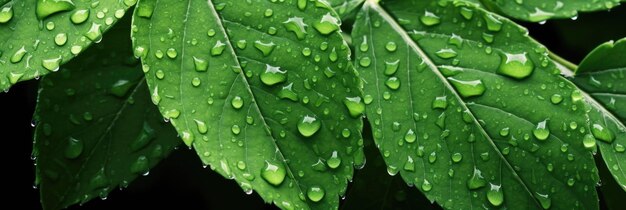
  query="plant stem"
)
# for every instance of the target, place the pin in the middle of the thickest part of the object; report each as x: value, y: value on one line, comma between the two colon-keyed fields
x: 571, y: 66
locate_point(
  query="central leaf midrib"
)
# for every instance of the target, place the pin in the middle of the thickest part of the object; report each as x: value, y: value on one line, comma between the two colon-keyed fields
x: 434, y: 69
x: 219, y: 21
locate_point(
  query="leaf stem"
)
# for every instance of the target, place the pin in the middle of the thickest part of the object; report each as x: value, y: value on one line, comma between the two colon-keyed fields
x: 562, y: 61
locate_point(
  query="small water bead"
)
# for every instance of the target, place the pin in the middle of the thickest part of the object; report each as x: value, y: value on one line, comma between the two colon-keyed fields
x: 355, y: 106
x: 430, y: 19
x: 391, y: 46
x: 619, y: 148
x: 297, y: 26
x: 446, y: 53
x: 467, y: 13
x: 544, y: 200
x: 589, y: 141
x: 468, y: 88
x: 6, y: 13
x: 308, y: 126
x: 265, y: 48
x: 196, y: 81
x: 493, y: 24
x: 476, y: 181
x: 334, y: 161
x: 391, y: 67
x: 327, y: 24
x: 237, y: 102
x: 393, y: 83
x: 171, y: 53
x: 18, y: 55
x: 556, y: 99
x: 242, y: 44
x: 426, y: 186
x: 541, y: 132
x: 202, y: 127
x: 46, y: 8
x: 517, y: 66
x: 160, y: 74
x: 52, y: 64
x: 200, y: 64
x: 235, y: 129
x: 94, y: 33
x: 140, y: 166
x: 76, y: 49
x: 457, y: 157
x: 602, y: 133
x: 410, y: 136
x: 218, y: 48
x: 495, y: 195
x: 409, y: 165
x: 273, y: 75
x: 273, y: 173
x: 74, y: 148
x: 145, y: 10
x: 456, y: 40
x: 315, y: 193
x: 287, y: 93
x: 365, y: 62
x: 440, y: 102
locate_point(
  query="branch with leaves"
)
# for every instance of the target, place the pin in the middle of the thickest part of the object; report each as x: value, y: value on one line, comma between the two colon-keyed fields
x: 463, y: 104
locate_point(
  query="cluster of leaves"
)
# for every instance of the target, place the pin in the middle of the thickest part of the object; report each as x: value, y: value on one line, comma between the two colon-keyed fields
x: 462, y: 103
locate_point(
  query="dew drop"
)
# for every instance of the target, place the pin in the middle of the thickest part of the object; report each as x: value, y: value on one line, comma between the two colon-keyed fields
x: 74, y: 148
x: 517, y: 66
x: 273, y: 173
x: 308, y: 126
x: 46, y: 8
x: 273, y: 75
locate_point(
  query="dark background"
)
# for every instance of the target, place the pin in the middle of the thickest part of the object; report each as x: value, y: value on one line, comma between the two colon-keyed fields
x: 180, y: 182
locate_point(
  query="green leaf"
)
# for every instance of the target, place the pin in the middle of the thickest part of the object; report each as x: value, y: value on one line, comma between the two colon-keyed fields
x: 258, y: 88
x: 345, y: 7
x: 96, y: 128
x: 391, y: 192
x: 541, y: 10
x: 469, y: 109
x: 40, y: 35
x: 601, y: 76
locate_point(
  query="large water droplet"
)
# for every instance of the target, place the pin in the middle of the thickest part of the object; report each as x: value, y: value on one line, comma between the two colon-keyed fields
x: 476, y: 180
x: 74, y: 148
x: 308, y: 126
x: 334, y: 161
x: 80, y: 16
x: 355, y: 106
x: 237, y: 102
x: 468, y: 88
x: 287, y: 93
x: 542, y: 131
x: 430, y: 19
x: 273, y: 75
x: 6, y: 13
x: 46, y: 8
x: 297, y: 26
x: 315, y: 193
x: 589, y: 141
x: 273, y: 173
x: 327, y: 24
x: 544, y: 200
x: 518, y: 66
x: 602, y: 133
x: 140, y: 166
x: 218, y: 48
x: 265, y: 48
x: 495, y: 195
x: 144, y: 138
x: 426, y: 186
